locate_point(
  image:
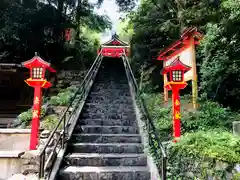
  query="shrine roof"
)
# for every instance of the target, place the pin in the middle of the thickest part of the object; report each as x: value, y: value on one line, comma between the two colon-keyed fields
x: 38, y: 61
x: 179, y: 45
x: 115, y: 42
x: 176, y: 65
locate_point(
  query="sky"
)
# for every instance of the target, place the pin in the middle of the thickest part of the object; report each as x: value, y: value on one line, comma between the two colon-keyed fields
x: 110, y: 8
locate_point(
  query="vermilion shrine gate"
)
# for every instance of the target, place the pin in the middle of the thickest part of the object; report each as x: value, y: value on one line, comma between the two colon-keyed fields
x: 114, y: 48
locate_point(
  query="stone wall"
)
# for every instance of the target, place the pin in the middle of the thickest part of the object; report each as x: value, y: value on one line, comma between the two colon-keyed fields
x: 67, y: 78
x: 14, y: 139
x: 236, y: 128
x: 9, y: 165
x: 14, y: 142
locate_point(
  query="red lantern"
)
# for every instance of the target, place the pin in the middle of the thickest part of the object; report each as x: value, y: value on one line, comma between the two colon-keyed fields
x: 38, y: 68
x: 68, y: 34
x: 175, y: 75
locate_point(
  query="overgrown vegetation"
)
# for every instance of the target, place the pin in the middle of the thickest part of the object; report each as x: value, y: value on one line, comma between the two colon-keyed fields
x: 207, y: 147
x: 206, y: 132
x: 156, y: 24
x: 63, y: 98
x: 29, y: 26
x: 204, y: 155
x: 26, y: 117
x: 50, y: 122
x: 209, y: 116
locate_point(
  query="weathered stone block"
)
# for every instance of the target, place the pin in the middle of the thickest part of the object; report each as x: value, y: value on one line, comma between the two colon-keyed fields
x: 17, y: 177
x: 236, y: 128
x: 45, y: 134
x: 30, y: 162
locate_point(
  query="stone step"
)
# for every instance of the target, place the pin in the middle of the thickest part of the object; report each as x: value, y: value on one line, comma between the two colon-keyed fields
x: 3, y: 125
x: 103, y: 97
x: 104, y: 173
x: 109, y: 90
x: 92, y: 159
x: 112, y: 81
x: 106, y: 148
x: 107, y: 122
x: 109, y: 76
x: 89, y: 105
x: 106, y: 129
x: 111, y: 86
x: 108, y: 110
x: 110, y: 101
x: 107, y: 98
x: 125, y: 116
x: 111, y: 94
x: 108, y: 116
x: 106, y: 138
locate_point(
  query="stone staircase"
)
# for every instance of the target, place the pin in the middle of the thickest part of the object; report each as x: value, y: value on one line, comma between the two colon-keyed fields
x: 106, y: 144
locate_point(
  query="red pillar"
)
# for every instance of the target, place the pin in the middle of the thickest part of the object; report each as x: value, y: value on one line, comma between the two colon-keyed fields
x: 176, y: 114
x: 36, y: 117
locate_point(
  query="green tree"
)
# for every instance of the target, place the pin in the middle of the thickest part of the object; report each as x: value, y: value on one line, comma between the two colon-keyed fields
x: 125, y: 30
x: 157, y: 24
x: 28, y: 26
x: 220, y: 70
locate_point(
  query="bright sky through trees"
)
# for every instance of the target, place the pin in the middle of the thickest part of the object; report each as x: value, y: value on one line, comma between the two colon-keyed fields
x: 110, y: 8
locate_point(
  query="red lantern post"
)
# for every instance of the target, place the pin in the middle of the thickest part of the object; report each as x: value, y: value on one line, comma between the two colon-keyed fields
x: 175, y: 75
x: 37, y: 67
x: 68, y: 34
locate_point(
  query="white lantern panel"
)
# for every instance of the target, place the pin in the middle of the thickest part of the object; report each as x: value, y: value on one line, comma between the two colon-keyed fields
x: 37, y: 73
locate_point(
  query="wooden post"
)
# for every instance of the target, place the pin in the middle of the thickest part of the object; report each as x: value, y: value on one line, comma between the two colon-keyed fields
x: 165, y: 89
x: 194, y: 73
x: 176, y: 114
x: 36, y: 112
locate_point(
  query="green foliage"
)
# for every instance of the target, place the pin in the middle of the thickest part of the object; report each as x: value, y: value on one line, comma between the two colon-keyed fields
x: 125, y: 30
x: 207, y: 147
x: 221, y: 146
x: 236, y: 176
x: 62, y: 99
x: 204, y: 154
x: 26, y: 117
x: 151, y: 28
x: 85, y: 47
x: 50, y: 122
x: 38, y: 26
x: 221, y: 57
x: 72, y: 89
x: 209, y: 116
x: 156, y: 24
